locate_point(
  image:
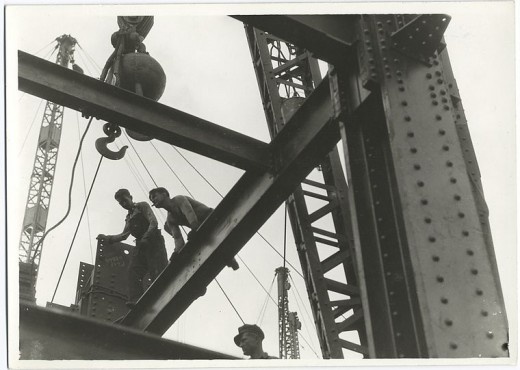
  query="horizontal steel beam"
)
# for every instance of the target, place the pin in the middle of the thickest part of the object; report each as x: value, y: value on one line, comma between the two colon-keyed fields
x: 49, y: 334
x: 329, y: 37
x: 297, y: 149
x: 110, y: 103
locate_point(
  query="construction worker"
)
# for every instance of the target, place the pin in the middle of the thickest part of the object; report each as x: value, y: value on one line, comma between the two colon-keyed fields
x: 149, y: 253
x: 182, y: 210
x: 250, y: 338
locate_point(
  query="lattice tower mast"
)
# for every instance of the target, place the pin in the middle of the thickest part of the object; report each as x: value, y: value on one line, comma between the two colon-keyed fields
x: 42, y: 177
x: 288, y: 323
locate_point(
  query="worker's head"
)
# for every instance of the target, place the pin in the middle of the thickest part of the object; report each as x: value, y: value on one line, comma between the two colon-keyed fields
x: 159, y: 197
x: 124, y: 198
x: 249, y: 338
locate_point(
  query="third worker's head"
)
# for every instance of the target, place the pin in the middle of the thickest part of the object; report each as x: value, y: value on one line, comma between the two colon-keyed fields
x: 124, y: 199
x: 159, y: 197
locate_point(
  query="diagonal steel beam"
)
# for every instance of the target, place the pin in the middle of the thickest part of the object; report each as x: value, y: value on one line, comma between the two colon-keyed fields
x: 307, y: 137
x: 110, y: 103
x: 329, y: 37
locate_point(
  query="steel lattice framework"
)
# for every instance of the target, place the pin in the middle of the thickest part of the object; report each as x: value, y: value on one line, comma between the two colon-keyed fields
x: 286, y: 74
x: 414, y: 234
x: 288, y: 323
x: 42, y: 177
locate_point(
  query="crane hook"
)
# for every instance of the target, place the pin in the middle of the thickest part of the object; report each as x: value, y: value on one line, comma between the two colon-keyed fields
x: 112, y: 132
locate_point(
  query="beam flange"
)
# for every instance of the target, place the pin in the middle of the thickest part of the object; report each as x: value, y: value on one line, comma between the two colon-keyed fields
x: 329, y: 37
x: 110, y: 103
x: 307, y: 137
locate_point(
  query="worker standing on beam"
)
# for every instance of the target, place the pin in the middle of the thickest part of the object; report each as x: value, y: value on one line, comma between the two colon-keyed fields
x: 149, y: 253
x: 250, y: 338
x: 185, y: 211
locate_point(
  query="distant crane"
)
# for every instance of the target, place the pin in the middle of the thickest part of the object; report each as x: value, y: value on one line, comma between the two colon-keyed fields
x: 288, y: 323
x: 42, y: 178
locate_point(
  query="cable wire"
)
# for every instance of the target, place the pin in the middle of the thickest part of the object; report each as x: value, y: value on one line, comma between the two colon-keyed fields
x: 171, y: 169
x: 40, y: 242
x: 85, y: 193
x: 138, y: 156
x: 229, y: 300
x: 31, y: 126
x: 77, y: 227
x: 258, y: 233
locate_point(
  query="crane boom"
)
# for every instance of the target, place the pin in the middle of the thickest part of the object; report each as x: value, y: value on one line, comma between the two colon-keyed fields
x: 41, y: 182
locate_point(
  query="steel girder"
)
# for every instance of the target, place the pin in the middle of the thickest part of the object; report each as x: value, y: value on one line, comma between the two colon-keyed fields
x: 418, y: 214
x: 306, y: 138
x: 95, y: 98
x: 82, y: 338
x: 278, y: 64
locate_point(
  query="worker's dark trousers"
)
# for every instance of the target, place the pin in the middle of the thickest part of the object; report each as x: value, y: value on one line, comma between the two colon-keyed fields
x: 148, y: 255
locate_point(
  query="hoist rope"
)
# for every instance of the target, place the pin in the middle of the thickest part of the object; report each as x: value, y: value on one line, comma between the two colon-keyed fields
x: 85, y: 194
x: 40, y: 242
x: 216, y: 190
x: 36, y: 53
x: 77, y: 227
x: 171, y: 169
x: 229, y: 300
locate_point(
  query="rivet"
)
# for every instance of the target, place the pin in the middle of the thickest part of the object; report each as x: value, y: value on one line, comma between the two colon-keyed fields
x: 433, y: 95
x: 431, y: 239
x: 435, y: 102
x: 428, y: 76
x: 484, y: 313
x: 479, y: 292
x: 461, y: 215
x: 440, y: 81
x: 443, y: 92
x: 444, y: 100
x: 445, y: 148
x: 399, y: 73
x: 388, y: 75
x: 444, y: 300
x: 440, y: 279
x: 410, y: 134
x: 453, y: 180
x: 489, y: 334
x: 435, y: 258
x: 420, y: 184
x: 431, y: 87
x: 428, y: 220
x: 469, y: 252
x: 448, y: 322
x: 446, y: 107
x: 442, y: 132
x: 401, y: 88
x: 457, y: 197
x: 407, y: 118
x: 404, y: 103
x: 465, y: 233
x: 413, y: 150
x: 424, y: 202
x: 417, y: 167
x: 449, y: 164
x: 437, y: 73
x: 453, y: 345
x: 438, y: 117
x: 474, y: 271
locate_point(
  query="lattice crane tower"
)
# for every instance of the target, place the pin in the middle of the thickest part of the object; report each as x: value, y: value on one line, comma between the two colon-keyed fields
x: 288, y: 323
x: 42, y: 179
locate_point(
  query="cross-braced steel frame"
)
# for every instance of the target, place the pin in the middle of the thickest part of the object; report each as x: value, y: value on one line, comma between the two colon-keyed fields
x: 41, y: 182
x: 426, y: 271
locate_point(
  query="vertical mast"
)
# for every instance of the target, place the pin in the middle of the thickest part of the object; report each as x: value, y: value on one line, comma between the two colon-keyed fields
x: 42, y: 178
x: 288, y: 323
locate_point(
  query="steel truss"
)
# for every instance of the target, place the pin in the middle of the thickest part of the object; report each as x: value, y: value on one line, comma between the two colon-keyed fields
x: 41, y: 182
x: 418, y: 220
x: 285, y: 73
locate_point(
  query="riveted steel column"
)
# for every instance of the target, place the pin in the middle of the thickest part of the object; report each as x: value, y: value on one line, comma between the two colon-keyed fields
x: 431, y: 272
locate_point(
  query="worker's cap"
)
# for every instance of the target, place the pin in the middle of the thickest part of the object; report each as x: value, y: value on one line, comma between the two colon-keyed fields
x: 247, y: 328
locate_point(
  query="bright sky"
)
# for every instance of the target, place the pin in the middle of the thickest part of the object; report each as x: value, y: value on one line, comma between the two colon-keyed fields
x: 210, y: 75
